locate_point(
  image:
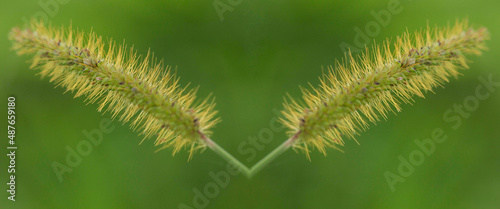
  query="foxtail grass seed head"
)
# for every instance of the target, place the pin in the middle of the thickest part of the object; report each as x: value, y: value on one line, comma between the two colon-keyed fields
x: 365, y: 89
x: 131, y: 87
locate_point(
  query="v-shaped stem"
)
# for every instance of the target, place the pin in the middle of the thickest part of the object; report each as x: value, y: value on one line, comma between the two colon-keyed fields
x: 249, y: 172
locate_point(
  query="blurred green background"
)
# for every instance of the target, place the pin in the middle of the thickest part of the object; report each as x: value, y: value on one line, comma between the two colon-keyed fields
x: 249, y: 61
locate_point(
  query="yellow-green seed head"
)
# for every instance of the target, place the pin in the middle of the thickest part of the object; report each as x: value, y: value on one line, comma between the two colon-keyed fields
x: 133, y: 88
x: 363, y: 89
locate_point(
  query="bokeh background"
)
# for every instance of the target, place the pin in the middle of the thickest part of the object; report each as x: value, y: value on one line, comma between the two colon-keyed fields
x: 249, y: 61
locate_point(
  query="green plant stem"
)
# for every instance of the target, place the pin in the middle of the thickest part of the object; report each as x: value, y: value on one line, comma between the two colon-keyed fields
x: 228, y: 157
x: 270, y: 157
x: 249, y: 172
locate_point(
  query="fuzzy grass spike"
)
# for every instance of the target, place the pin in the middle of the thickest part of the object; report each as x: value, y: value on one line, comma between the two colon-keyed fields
x: 363, y: 90
x: 133, y: 88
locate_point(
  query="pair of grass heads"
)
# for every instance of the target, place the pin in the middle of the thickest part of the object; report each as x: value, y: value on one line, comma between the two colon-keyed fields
x: 357, y: 92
